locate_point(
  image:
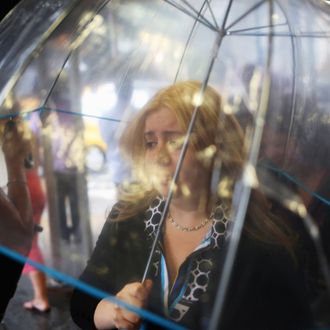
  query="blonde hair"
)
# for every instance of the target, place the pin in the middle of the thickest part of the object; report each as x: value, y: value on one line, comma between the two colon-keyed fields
x: 213, y: 129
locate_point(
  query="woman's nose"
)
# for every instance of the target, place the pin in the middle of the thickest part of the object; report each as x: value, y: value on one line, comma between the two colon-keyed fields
x: 163, y: 156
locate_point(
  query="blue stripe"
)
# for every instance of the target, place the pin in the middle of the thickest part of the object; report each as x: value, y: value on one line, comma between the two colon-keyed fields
x: 46, y: 109
x: 297, y: 182
x: 162, y: 276
x: 90, y: 289
x: 182, y: 291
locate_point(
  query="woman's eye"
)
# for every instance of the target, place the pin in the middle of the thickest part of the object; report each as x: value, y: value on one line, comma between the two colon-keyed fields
x: 150, y: 144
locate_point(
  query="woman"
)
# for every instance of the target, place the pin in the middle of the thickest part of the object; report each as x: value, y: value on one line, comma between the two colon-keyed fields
x: 40, y: 301
x: 186, y: 267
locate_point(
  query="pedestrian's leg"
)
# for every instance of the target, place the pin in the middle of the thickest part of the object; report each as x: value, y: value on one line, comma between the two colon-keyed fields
x: 61, y: 195
x: 74, y: 207
x: 40, y: 299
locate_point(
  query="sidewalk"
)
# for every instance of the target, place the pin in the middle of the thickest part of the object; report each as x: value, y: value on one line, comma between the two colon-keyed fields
x: 17, y: 318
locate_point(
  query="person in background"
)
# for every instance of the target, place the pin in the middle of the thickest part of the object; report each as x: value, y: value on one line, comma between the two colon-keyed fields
x: 15, y: 211
x: 40, y: 301
x: 68, y: 157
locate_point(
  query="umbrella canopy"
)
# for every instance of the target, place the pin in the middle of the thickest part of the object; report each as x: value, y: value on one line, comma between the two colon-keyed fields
x: 87, y: 67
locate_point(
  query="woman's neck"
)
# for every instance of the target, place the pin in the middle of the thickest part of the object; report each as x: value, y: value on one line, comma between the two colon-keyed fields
x: 188, y: 212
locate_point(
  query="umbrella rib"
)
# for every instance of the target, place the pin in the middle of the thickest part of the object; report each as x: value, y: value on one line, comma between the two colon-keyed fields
x: 212, y: 13
x: 197, y: 13
x: 199, y: 18
x: 187, y: 43
x: 255, y: 28
x: 202, y: 21
x: 226, y: 16
x: 246, y: 13
x: 57, y: 77
x: 282, y: 34
x: 75, y: 113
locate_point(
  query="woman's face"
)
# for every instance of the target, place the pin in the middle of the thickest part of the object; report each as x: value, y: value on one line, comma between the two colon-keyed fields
x: 163, y: 142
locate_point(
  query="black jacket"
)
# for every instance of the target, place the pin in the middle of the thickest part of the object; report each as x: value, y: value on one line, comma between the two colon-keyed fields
x: 266, y: 290
x: 11, y: 272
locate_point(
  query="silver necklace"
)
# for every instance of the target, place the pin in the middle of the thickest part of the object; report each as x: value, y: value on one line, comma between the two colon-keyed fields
x: 188, y: 229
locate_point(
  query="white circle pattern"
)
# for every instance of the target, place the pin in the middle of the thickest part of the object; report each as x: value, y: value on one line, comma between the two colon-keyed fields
x: 219, y: 226
x: 200, y: 279
x: 153, y: 216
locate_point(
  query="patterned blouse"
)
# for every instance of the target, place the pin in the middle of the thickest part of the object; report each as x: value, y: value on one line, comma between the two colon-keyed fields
x: 186, y: 290
x: 266, y: 290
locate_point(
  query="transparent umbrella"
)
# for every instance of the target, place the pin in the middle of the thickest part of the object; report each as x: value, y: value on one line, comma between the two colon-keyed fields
x: 88, y: 67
